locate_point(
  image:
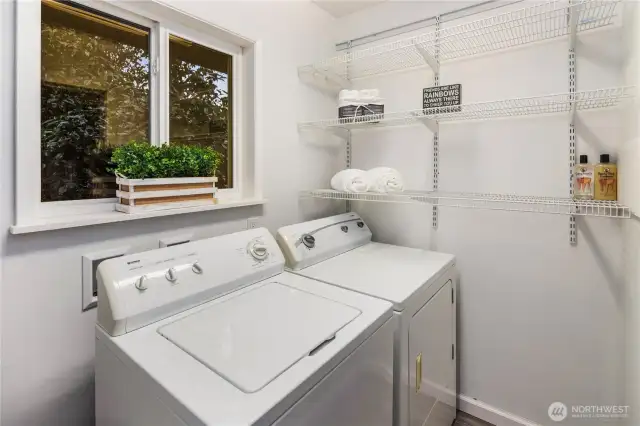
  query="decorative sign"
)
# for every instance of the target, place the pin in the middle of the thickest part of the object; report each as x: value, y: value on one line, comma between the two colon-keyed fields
x: 442, y: 96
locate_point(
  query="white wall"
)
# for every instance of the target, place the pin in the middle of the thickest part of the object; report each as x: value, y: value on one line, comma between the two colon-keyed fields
x: 47, y: 342
x: 540, y: 321
x: 631, y: 193
x: 5, y: 133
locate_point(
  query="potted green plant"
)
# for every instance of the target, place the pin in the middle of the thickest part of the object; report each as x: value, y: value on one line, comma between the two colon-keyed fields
x: 153, y: 177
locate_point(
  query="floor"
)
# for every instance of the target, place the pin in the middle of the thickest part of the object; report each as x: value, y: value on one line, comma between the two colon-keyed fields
x: 464, y: 419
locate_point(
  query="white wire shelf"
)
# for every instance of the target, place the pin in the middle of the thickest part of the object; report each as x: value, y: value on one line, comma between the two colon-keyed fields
x: 515, y: 203
x: 548, y: 104
x: 532, y: 24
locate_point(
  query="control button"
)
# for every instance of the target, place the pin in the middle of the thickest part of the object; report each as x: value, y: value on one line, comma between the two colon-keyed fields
x: 309, y: 241
x: 259, y: 251
x: 360, y: 224
x: 196, y: 268
x: 140, y: 283
x: 344, y: 228
x: 171, y: 275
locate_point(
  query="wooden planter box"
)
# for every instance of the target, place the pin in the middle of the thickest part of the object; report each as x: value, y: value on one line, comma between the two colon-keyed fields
x: 137, y: 195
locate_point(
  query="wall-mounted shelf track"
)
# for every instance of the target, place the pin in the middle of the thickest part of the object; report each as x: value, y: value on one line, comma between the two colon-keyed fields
x: 529, y: 25
x: 549, y: 104
x: 513, y: 203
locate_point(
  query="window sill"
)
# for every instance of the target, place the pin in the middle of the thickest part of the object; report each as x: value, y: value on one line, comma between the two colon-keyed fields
x: 75, y: 221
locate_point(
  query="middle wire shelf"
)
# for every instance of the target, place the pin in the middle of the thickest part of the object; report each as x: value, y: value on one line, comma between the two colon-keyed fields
x: 505, y: 202
x: 547, y: 104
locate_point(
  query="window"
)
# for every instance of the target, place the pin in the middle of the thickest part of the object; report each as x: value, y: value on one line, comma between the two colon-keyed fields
x: 94, y: 96
x: 110, y: 72
x: 200, y: 101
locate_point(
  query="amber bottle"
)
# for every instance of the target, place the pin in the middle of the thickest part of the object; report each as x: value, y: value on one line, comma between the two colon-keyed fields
x: 606, y: 175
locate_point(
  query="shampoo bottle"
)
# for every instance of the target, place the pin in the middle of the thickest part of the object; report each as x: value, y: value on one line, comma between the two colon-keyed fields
x: 583, y: 180
x: 606, y: 175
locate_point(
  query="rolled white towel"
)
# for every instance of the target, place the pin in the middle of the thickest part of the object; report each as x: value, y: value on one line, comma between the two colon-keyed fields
x: 350, y: 180
x: 384, y: 179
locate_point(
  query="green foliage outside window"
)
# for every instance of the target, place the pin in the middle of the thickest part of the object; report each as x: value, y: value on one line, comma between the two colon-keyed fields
x: 139, y: 160
x: 95, y: 97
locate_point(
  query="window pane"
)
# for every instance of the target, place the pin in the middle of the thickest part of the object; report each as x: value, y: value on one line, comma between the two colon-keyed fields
x: 200, y: 97
x: 94, y: 96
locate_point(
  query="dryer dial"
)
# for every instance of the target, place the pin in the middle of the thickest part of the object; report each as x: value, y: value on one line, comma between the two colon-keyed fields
x: 258, y: 250
x: 309, y: 241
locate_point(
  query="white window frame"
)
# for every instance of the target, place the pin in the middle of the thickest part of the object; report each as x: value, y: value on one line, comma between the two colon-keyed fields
x: 162, y: 20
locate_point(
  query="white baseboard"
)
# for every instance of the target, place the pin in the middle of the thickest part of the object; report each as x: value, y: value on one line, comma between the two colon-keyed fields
x: 491, y: 414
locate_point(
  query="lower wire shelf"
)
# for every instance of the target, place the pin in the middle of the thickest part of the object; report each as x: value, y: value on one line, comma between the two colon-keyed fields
x: 506, y: 202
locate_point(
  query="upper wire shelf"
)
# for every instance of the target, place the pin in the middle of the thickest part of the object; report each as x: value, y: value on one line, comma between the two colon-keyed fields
x: 548, y: 104
x: 532, y: 24
x: 506, y: 202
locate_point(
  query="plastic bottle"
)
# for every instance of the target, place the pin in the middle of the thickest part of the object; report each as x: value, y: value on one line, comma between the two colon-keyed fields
x: 583, y: 184
x: 606, y: 176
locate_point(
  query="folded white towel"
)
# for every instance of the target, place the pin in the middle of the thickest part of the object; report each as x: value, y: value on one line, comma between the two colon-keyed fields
x: 350, y: 180
x: 384, y: 179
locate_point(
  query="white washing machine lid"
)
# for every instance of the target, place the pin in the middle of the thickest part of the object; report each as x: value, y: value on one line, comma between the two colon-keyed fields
x: 252, y: 338
x: 390, y: 272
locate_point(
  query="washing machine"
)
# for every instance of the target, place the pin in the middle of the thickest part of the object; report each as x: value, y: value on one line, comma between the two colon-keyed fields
x: 215, y: 332
x: 421, y: 285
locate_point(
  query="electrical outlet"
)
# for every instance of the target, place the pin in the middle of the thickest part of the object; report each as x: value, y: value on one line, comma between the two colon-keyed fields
x: 253, y: 223
x: 90, y: 264
x: 175, y: 240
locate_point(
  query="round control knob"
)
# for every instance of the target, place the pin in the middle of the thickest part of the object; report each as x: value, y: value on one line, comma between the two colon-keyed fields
x: 258, y: 251
x: 171, y: 275
x: 309, y: 241
x: 344, y: 228
x: 196, y: 268
x: 140, y: 283
x: 360, y: 224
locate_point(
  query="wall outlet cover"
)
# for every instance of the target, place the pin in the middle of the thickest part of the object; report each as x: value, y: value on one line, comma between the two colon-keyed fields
x: 253, y: 223
x: 175, y: 240
x: 90, y: 264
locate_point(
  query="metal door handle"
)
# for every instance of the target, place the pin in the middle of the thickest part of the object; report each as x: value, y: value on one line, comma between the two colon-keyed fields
x: 418, y: 371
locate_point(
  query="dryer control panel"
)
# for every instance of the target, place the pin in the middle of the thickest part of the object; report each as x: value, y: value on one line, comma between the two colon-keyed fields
x: 305, y: 244
x: 143, y: 288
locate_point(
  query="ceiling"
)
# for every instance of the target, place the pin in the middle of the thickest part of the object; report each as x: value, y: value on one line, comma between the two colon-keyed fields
x: 339, y: 8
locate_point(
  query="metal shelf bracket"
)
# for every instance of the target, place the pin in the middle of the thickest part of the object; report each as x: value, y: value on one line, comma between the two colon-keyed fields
x: 431, y: 124
x: 572, y: 17
x: 428, y: 57
x: 336, y: 79
x: 326, y: 80
x: 342, y: 133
